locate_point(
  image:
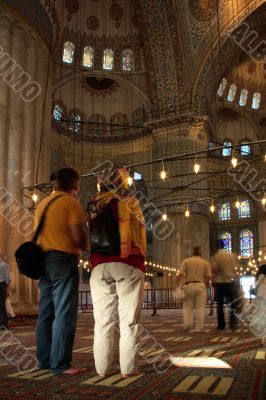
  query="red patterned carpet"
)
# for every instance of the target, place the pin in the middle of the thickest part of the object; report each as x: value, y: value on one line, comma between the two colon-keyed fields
x: 242, y: 378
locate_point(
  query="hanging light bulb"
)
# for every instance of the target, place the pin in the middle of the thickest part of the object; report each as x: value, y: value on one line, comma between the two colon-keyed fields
x: 187, y: 212
x: 98, y: 187
x: 163, y: 172
x: 164, y: 216
x: 263, y: 201
x: 35, y: 197
x: 234, y: 161
x: 196, y: 167
x: 237, y: 203
x: 265, y: 157
x: 129, y: 180
x: 212, y: 208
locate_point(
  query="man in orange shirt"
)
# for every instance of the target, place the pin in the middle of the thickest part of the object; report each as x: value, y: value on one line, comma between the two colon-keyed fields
x: 62, y: 238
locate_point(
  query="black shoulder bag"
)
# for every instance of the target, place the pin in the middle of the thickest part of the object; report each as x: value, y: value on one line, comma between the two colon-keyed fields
x: 104, y: 235
x: 29, y: 255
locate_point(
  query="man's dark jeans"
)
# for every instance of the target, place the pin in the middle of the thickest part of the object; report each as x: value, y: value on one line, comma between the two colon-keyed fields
x: 58, y: 308
x: 3, y: 313
x: 228, y: 291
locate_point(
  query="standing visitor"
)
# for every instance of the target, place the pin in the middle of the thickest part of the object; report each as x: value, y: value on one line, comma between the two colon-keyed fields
x: 258, y: 321
x: 62, y: 238
x: 224, y: 275
x: 196, y: 273
x: 4, y: 282
x: 118, y: 249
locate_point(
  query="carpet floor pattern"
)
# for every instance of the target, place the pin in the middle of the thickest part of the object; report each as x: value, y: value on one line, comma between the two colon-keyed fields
x: 209, y: 365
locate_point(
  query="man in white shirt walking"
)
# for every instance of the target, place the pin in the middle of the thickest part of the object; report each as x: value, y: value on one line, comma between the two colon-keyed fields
x: 4, y: 282
x: 224, y: 274
x: 196, y: 272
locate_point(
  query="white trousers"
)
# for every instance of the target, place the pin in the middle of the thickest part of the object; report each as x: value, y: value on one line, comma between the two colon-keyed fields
x: 117, y: 291
x: 195, y: 294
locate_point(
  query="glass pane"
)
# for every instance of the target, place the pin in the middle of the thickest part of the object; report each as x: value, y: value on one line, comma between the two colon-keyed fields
x: 88, y: 57
x: 245, y: 149
x: 68, y: 54
x: 226, y: 237
x: 256, y: 101
x: 58, y: 112
x: 243, y: 97
x: 224, y: 212
x: 108, y: 59
x: 227, y: 150
x: 232, y: 93
x: 75, y: 124
x: 127, y: 60
x: 244, y: 209
x: 222, y: 87
x: 246, y: 243
x: 211, y: 145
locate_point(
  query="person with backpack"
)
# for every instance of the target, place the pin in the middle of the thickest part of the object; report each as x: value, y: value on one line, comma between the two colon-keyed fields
x: 118, y: 249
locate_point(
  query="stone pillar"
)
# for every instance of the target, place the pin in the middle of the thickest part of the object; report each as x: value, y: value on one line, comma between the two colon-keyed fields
x: 187, y: 136
x: 262, y: 233
x: 21, y: 117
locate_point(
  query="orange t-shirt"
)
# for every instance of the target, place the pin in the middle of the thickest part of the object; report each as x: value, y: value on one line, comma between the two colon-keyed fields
x: 64, y: 212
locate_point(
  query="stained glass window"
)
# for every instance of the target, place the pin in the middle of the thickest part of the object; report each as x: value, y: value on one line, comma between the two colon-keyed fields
x: 246, y: 240
x: 225, y: 212
x: 108, y: 59
x: 256, y: 101
x: 127, y: 59
x: 243, y: 97
x: 222, y: 87
x: 227, y: 149
x: 88, y: 57
x: 245, y: 149
x: 68, y: 53
x: 75, y: 122
x: 226, y: 237
x: 232, y: 93
x: 244, y: 209
x: 58, y: 112
x: 211, y: 145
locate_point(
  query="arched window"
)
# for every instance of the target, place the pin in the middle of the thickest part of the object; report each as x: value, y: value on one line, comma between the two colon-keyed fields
x: 127, y: 60
x: 244, y: 209
x: 245, y: 149
x: 256, y: 101
x: 232, y: 93
x: 227, y: 149
x: 108, y: 59
x: 97, y: 124
x: 75, y: 122
x: 119, y: 122
x: 68, y: 52
x: 222, y: 87
x: 211, y: 145
x: 243, y: 97
x: 246, y: 243
x: 88, y: 56
x: 226, y: 237
x: 225, y: 212
x: 58, y: 112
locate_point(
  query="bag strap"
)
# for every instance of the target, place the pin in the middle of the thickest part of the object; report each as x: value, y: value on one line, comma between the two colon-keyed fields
x: 41, y: 223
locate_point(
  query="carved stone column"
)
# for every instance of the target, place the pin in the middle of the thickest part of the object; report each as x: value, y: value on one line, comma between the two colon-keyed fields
x: 21, y: 115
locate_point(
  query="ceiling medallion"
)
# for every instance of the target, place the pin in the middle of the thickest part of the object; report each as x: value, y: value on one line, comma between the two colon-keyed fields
x: 93, y: 23
x: 72, y: 7
x: 203, y: 9
x: 116, y: 13
x: 99, y: 86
